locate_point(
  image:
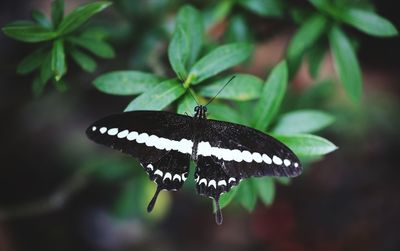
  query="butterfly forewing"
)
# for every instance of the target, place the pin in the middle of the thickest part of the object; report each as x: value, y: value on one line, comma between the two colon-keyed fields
x: 160, y: 140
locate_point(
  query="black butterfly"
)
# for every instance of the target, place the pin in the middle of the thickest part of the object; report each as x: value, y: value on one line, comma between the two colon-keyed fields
x: 225, y: 153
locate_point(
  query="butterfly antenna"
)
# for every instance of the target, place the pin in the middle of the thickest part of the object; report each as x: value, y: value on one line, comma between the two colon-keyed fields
x: 191, y: 94
x: 220, y: 90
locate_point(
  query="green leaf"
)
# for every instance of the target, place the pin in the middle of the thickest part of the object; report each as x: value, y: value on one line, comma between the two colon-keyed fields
x: 223, y: 112
x: 158, y: 97
x: 242, y: 88
x: 227, y: 198
x: 369, y: 22
x: 326, y: 6
x: 220, y: 59
x: 305, y: 37
x: 283, y: 180
x: 97, y: 47
x: 186, y: 104
x: 83, y: 60
x: 40, y: 81
x: 271, y: 96
x: 247, y: 195
x: 191, y: 22
x: 316, y: 55
x: 179, y: 53
x: 30, y: 33
x: 266, y: 8
x: 302, y: 121
x: 41, y: 19
x: 346, y: 63
x: 306, y: 145
x: 80, y: 15
x: 58, y: 64
x: 31, y: 62
x: 57, y: 12
x: 238, y: 30
x: 126, y: 82
x: 266, y: 189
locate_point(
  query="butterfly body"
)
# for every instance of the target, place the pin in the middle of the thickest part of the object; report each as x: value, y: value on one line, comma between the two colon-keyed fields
x: 224, y: 153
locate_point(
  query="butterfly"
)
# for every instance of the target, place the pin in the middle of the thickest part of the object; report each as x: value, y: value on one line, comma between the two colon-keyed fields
x: 225, y: 153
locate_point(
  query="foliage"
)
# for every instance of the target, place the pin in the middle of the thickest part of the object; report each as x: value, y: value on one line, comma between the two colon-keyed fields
x: 201, y: 64
x: 59, y: 38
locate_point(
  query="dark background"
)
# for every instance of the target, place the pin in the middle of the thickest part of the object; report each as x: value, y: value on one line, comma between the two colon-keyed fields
x: 347, y: 201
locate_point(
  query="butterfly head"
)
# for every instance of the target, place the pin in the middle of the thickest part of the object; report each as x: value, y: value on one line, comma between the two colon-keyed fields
x: 200, y: 112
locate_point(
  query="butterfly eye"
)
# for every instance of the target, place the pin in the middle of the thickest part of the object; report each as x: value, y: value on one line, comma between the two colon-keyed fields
x: 196, y: 108
x: 205, y: 109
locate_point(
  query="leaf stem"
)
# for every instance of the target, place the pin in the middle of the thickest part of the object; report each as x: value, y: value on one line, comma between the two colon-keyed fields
x: 188, y: 81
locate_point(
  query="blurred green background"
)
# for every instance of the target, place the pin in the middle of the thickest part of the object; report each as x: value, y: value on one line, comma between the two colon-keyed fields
x: 59, y: 191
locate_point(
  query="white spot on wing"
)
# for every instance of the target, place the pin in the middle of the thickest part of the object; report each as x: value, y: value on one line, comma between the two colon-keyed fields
x: 237, y: 155
x: 177, y: 177
x: 212, y: 183
x: 152, y: 140
x: 184, y: 176
x: 204, y: 148
x: 247, y: 156
x: 222, y: 183
x: 94, y: 128
x: 158, y: 172
x: 112, y: 131
x: 132, y: 136
x: 103, y: 130
x: 277, y: 160
x: 231, y: 179
x: 142, y: 138
x: 167, y: 176
x: 296, y: 164
x: 257, y: 157
x: 203, y: 180
x: 123, y: 134
x: 286, y: 162
x: 266, y: 159
x: 150, y: 166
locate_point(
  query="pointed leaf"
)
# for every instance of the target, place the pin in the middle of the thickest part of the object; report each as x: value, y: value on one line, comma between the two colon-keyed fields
x: 302, y: 121
x: 271, y: 96
x: 187, y: 104
x: 267, y: 8
x: 179, y: 53
x: 32, y: 61
x: 30, y: 33
x: 190, y: 21
x: 307, y: 145
x: 346, y: 63
x: 227, y: 198
x: 304, y: 38
x: 244, y: 87
x: 80, y: 15
x: 83, y: 60
x: 57, y: 12
x: 220, y: 59
x: 126, y: 82
x: 247, y: 194
x: 97, y: 47
x: 316, y: 56
x: 223, y: 112
x: 58, y: 65
x: 266, y: 189
x: 41, y: 19
x: 369, y: 22
x: 158, y: 97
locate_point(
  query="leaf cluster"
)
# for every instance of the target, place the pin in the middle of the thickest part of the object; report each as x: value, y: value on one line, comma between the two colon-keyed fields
x: 59, y: 39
